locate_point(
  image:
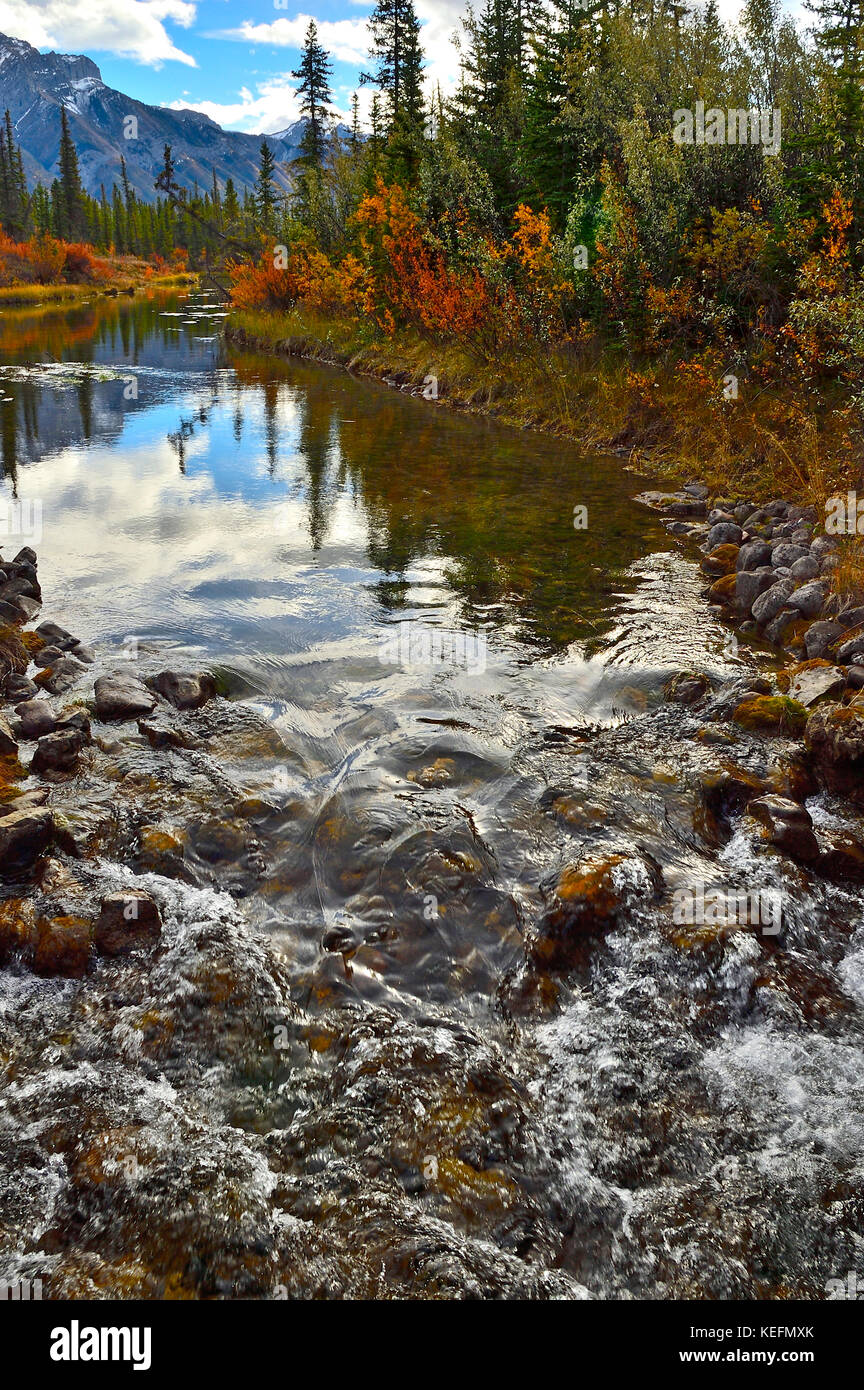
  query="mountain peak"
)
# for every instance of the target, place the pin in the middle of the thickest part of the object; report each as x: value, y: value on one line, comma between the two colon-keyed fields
x: 34, y: 86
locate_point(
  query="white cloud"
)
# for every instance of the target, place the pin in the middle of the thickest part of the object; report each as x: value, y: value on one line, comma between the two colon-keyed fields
x: 272, y: 107
x: 348, y: 42
x: 127, y: 28
x: 346, y: 39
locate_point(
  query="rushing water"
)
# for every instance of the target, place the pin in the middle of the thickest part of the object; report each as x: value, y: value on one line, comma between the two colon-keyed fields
x: 339, y: 1076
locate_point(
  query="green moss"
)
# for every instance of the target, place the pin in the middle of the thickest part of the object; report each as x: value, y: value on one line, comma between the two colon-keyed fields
x: 774, y: 714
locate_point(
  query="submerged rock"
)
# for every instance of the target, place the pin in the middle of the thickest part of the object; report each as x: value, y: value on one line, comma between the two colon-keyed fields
x: 127, y: 921
x: 587, y: 899
x: 62, y: 946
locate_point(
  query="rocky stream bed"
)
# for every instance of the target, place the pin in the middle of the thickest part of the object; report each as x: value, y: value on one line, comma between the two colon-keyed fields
x: 438, y: 1029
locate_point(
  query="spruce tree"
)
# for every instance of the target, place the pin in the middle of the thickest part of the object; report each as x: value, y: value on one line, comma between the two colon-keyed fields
x: 265, y: 193
x: 71, y: 215
x: 314, y: 92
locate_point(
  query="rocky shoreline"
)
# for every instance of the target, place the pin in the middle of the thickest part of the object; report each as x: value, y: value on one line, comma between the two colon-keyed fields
x: 36, y: 840
x: 769, y: 576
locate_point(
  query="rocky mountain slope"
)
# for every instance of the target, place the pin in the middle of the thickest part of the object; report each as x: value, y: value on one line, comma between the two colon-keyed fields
x: 35, y: 85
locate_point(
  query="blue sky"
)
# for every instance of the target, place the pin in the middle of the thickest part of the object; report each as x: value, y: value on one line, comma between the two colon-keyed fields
x: 229, y: 58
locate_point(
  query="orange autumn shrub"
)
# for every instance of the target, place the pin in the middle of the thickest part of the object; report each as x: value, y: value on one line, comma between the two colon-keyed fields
x: 43, y: 260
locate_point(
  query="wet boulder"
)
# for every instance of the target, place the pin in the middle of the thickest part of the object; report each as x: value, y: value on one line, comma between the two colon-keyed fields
x: 62, y: 946
x: 127, y: 921
x: 120, y: 695
x: 60, y: 675
x: 24, y: 837
x: 834, y: 737
x: 586, y: 900
x: 18, y: 688
x: 35, y: 718
x: 787, y: 825
x: 183, y: 689
x: 58, y: 752
x: 53, y: 635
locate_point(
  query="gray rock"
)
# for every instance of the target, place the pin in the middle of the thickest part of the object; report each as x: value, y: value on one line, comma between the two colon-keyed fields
x: 768, y: 604
x: 786, y: 554
x: 819, y: 683
x: 810, y: 598
x: 822, y: 545
x: 37, y: 718
x: 778, y: 627
x: 63, y: 675
x: 749, y: 584
x: 852, y: 647
x: 121, y: 695
x: 819, y: 636
x: 829, y: 563
x: 723, y: 533
x: 855, y: 676
x: 805, y: 568
x: 753, y: 555
x: 696, y: 489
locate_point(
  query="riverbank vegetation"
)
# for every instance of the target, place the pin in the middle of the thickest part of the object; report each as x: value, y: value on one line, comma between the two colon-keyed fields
x: 548, y: 242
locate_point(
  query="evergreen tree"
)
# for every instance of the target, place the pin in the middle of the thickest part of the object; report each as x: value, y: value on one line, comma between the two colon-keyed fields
x: 398, y: 59
x: 265, y: 192
x: 71, y: 215
x: 314, y: 92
